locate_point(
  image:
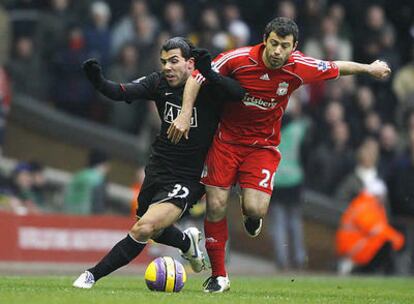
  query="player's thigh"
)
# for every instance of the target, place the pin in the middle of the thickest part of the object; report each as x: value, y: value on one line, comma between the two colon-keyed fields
x: 161, y: 215
x: 258, y: 170
x: 221, y: 165
x: 255, y: 202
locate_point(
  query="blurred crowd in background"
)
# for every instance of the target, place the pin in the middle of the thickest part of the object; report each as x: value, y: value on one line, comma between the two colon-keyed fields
x: 354, y: 130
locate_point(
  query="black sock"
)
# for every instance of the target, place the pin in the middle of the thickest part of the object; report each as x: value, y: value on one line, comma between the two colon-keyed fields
x: 174, y: 237
x: 121, y: 254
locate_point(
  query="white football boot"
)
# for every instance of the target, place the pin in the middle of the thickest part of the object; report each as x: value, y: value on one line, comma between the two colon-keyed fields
x: 217, y: 284
x: 85, y: 280
x: 194, y: 255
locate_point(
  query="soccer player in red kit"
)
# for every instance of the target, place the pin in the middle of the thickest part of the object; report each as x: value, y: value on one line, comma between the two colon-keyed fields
x: 244, y: 149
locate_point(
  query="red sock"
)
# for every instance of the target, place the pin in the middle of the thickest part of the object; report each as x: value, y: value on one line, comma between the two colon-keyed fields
x: 216, y: 234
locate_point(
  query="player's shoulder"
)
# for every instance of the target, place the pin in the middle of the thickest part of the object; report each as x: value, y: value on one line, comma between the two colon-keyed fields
x: 153, y: 77
x: 235, y: 54
x: 300, y: 59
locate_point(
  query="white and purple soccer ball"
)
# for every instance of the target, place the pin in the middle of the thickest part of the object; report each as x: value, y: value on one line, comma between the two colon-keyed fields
x: 165, y: 274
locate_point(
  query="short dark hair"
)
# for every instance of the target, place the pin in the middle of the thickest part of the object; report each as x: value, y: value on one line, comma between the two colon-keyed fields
x: 283, y: 27
x: 181, y: 43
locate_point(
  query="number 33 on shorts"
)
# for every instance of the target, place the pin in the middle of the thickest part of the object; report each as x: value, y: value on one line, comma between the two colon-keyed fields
x: 268, y: 179
x: 179, y: 191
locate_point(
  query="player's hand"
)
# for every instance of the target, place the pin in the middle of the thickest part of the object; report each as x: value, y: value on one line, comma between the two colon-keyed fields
x: 379, y: 69
x: 93, y: 71
x: 202, y: 59
x: 179, y: 127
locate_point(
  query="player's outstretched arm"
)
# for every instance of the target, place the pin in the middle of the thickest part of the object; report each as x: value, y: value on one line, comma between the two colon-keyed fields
x: 181, y: 125
x: 378, y: 69
x: 116, y: 91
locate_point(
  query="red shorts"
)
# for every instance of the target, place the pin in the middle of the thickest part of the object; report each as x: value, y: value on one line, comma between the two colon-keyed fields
x: 252, y: 167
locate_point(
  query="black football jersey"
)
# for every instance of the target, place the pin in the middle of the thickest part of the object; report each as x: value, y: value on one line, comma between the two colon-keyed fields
x: 174, y: 162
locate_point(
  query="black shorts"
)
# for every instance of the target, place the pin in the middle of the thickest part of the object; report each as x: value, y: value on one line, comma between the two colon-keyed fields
x: 183, y: 194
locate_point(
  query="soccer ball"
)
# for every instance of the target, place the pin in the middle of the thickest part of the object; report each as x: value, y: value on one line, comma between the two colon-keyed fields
x: 165, y: 274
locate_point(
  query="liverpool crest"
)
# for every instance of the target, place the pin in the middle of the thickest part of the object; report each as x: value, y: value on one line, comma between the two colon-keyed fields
x: 282, y: 89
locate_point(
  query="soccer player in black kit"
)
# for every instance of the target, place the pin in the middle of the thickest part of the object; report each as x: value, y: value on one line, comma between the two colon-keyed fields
x: 171, y: 184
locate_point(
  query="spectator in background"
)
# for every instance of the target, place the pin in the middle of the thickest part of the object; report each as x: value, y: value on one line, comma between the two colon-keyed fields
x: 5, y: 35
x: 364, y: 173
x: 368, y: 46
x: 286, y: 209
x: 51, y: 28
x: 235, y: 26
x: 175, y: 21
x: 403, y: 87
x: 22, y: 187
x: 125, y: 29
x: 97, y: 33
x: 72, y: 92
x: 311, y: 13
x: 86, y: 192
x: 210, y: 34
x: 327, y: 43
x: 27, y: 71
x: 389, y: 149
x: 372, y: 124
x: 39, y: 185
x: 337, y: 12
x: 128, y: 118
x: 5, y: 100
x: 365, y: 241
x: 146, y: 40
x: 362, y: 104
x: 401, y: 181
x: 331, y: 160
x: 286, y: 8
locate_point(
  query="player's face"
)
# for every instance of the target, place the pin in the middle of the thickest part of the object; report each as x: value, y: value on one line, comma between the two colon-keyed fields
x: 175, y: 68
x: 277, y: 50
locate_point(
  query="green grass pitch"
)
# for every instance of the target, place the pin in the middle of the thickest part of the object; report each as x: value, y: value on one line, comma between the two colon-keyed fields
x: 281, y: 289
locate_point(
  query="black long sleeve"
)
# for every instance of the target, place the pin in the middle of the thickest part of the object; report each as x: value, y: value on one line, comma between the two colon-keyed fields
x: 227, y: 89
x: 141, y: 89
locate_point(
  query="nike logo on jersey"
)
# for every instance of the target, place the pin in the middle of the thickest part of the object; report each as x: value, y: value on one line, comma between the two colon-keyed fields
x: 168, y: 93
x: 265, y: 77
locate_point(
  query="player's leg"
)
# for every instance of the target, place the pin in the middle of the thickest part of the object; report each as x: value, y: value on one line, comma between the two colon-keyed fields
x: 256, y: 175
x: 183, y: 195
x: 216, y: 234
x: 156, y: 218
x: 255, y: 204
x: 218, y: 176
x: 187, y: 242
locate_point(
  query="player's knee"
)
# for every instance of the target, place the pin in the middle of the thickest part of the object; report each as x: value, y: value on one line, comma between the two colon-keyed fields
x: 143, y: 230
x: 216, y: 207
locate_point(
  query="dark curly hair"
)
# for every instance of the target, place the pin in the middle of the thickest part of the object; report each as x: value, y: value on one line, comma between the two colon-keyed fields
x: 181, y: 43
x: 282, y: 27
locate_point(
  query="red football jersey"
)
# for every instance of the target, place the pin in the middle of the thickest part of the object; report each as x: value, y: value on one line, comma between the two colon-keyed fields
x: 256, y: 120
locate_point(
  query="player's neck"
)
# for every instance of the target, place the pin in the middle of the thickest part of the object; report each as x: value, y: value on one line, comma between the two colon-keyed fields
x: 268, y: 64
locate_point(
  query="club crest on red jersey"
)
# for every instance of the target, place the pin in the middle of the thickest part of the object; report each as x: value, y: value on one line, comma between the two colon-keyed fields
x: 282, y: 89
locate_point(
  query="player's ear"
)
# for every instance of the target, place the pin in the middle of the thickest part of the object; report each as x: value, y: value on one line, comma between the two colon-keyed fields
x: 264, y: 39
x: 295, y: 45
x: 191, y: 63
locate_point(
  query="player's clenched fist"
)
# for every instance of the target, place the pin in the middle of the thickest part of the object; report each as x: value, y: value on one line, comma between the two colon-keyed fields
x: 93, y: 71
x: 202, y: 59
x: 379, y: 69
